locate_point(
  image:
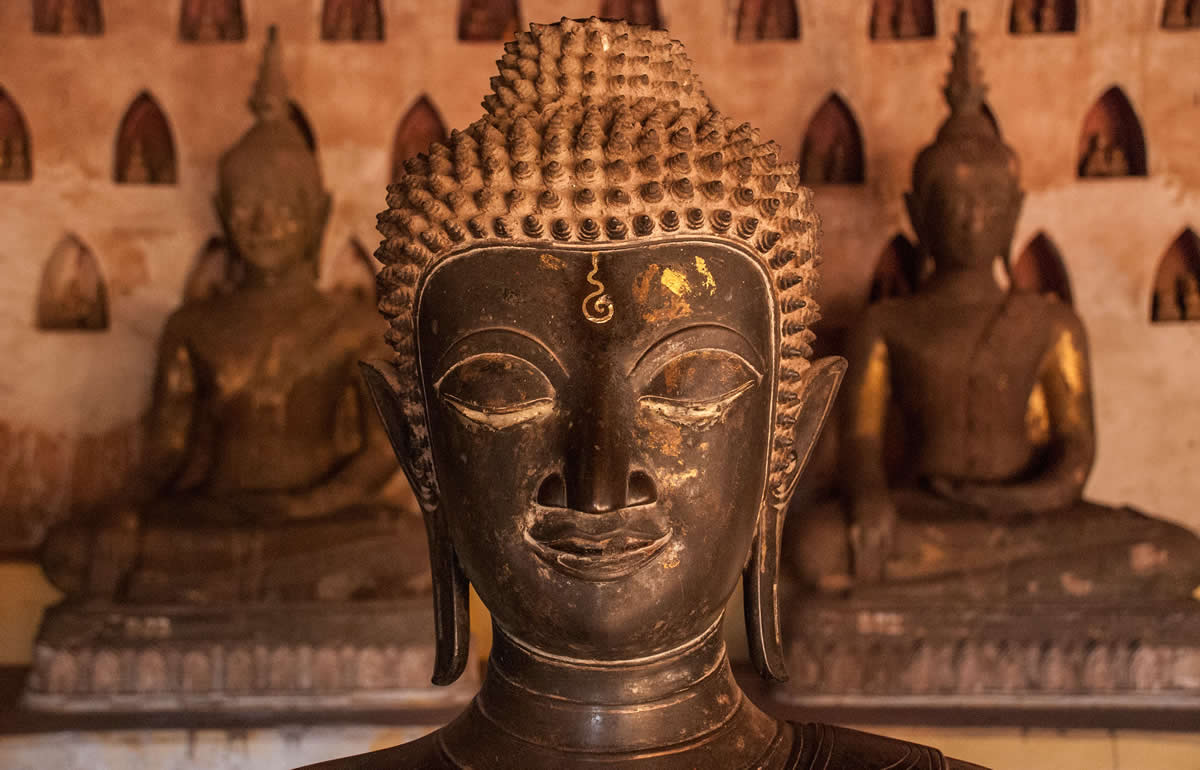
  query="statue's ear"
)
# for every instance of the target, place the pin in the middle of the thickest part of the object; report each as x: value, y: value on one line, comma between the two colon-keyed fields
x: 817, y: 390
x: 914, y: 212
x: 323, y: 211
x: 222, y: 209
x: 383, y: 382
x: 760, y: 579
x: 452, y: 623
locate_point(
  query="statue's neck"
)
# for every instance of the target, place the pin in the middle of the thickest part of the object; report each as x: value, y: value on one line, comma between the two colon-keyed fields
x: 972, y: 283
x: 297, y: 276
x: 684, y: 696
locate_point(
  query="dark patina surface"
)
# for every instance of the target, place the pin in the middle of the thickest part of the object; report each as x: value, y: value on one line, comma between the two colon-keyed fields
x: 603, y: 394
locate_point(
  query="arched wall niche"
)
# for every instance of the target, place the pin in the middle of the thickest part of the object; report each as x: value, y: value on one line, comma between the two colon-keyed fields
x: 488, y: 19
x: 832, y: 152
x: 352, y: 269
x: 1181, y: 14
x: 72, y: 295
x: 212, y: 21
x: 1176, y: 291
x: 68, y: 17
x: 899, y: 271
x: 1040, y: 269
x: 16, y: 151
x: 145, y: 151
x: 420, y: 127
x: 357, y: 20
x: 633, y: 11
x: 1033, y: 17
x: 902, y: 19
x: 1111, y: 143
x: 768, y: 20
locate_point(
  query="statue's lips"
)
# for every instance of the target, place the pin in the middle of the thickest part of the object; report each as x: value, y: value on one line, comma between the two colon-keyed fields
x: 598, y: 546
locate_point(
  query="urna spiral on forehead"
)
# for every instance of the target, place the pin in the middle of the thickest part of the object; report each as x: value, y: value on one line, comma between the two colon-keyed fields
x: 598, y: 132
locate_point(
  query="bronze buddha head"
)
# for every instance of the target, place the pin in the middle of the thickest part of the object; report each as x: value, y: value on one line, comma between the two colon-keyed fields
x: 599, y: 297
x: 966, y: 194
x: 271, y: 200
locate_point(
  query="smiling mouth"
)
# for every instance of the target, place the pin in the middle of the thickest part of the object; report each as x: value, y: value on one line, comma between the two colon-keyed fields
x: 597, y: 547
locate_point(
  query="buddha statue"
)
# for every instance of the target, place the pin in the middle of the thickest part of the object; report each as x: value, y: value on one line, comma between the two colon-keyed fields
x: 990, y: 392
x: 599, y: 298
x: 263, y: 477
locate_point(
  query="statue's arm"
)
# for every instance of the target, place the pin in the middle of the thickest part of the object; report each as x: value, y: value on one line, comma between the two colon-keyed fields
x: 361, y: 477
x: 1066, y: 382
x: 867, y: 393
x: 1065, y: 385
x: 170, y: 421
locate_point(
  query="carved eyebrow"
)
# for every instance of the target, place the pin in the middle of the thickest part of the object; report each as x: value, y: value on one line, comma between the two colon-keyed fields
x: 498, y: 330
x: 654, y: 347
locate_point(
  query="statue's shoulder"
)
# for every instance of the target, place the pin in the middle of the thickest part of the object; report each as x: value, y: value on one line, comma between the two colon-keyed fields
x: 422, y: 753
x: 826, y: 746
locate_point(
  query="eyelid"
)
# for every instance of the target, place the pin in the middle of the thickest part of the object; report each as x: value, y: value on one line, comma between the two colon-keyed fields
x: 501, y: 417
x: 701, y: 413
x: 437, y: 385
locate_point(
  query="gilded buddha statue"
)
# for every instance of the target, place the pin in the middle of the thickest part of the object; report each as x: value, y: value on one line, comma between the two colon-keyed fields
x: 993, y: 396
x: 265, y: 477
x: 602, y: 392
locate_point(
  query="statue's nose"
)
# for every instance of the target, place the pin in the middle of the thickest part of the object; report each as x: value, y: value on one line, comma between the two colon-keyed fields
x: 598, y: 476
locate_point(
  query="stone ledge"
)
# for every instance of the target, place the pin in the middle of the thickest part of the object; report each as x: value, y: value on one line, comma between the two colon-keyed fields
x: 860, y: 654
x: 279, y: 658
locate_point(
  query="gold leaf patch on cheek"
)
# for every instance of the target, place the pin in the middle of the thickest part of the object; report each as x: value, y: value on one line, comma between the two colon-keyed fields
x: 663, y: 437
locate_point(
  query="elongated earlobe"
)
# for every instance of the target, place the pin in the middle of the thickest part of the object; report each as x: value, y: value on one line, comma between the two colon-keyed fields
x: 452, y: 623
x: 760, y: 581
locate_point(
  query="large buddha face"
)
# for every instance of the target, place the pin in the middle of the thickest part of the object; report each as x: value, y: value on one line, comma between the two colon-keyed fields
x: 600, y: 422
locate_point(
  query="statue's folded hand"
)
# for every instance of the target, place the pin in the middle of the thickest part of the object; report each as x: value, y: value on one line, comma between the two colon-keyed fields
x: 871, y: 535
x: 994, y: 500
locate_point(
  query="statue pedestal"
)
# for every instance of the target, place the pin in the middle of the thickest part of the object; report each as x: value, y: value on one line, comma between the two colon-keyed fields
x: 1017, y: 656
x: 279, y: 657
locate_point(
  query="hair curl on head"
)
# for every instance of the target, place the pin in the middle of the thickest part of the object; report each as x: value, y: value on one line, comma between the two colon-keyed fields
x: 598, y: 131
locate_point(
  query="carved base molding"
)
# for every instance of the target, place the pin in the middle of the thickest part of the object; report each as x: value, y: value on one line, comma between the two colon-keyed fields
x: 1020, y: 655
x: 280, y: 657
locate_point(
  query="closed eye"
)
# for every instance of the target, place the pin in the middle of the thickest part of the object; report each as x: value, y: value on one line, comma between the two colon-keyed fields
x: 496, y: 390
x: 500, y: 418
x: 696, y: 414
x: 697, y: 388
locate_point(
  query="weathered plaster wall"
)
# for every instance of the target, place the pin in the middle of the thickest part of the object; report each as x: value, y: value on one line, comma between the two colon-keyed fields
x: 69, y: 401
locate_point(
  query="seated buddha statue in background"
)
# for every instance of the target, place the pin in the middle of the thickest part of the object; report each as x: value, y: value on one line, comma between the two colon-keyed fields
x: 991, y: 392
x: 602, y: 391
x: 264, y: 477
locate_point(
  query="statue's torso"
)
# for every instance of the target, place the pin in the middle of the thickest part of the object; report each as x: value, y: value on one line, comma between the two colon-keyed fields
x: 965, y: 377
x: 275, y: 388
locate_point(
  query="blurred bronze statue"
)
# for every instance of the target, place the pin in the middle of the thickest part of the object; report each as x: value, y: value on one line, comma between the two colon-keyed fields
x: 600, y: 296
x: 263, y: 477
x: 267, y: 481
x: 990, y: 394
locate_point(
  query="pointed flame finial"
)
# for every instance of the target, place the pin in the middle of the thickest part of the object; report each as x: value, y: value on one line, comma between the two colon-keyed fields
x: 270, y: 98
x: 965, y: 89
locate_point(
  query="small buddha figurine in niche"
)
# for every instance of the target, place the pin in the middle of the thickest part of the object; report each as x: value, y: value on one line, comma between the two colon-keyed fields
x: 993, y: 397
x: 264, y: 476
x: 599, y: 297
